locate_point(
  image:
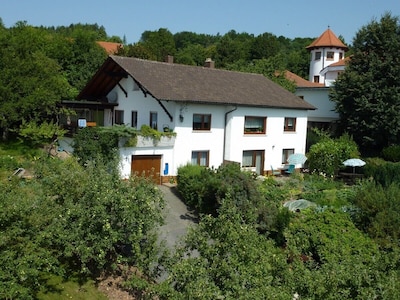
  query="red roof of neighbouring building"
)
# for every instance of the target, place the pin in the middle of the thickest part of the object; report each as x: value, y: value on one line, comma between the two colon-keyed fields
x: 301, y: 82
x: 110, y: 47
x: 327, y: 39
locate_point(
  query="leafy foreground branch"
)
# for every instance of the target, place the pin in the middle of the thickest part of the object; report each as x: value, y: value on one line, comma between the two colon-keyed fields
x: 74, y: 220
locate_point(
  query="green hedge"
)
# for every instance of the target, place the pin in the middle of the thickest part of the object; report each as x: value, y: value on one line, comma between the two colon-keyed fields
x: 384, y: 173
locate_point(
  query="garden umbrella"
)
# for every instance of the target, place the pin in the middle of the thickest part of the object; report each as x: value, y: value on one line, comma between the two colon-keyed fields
x: 297, y: 158
x: 354, y: 162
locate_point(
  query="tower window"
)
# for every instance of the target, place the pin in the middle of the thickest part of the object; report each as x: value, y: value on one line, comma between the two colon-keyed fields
x: 318, y: 55
x: 316, y: 79
x: 330, y: 55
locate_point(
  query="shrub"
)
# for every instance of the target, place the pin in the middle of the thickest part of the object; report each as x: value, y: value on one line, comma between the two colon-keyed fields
x: 195, y: 185
x: 328, y: 155
x: 378, y: 212
x: 391, y: 153
x: 91, y: 143
x: 384, y: 173
x: 40, y: 134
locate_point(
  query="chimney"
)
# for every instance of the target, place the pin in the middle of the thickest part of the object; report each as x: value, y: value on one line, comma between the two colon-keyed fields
x: 169, y: 59
x: 209, y: 63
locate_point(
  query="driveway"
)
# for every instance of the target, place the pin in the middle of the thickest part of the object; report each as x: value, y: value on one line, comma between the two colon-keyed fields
x: 178, y: 218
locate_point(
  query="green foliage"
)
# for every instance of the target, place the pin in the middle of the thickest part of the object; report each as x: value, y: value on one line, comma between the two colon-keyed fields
x: 391, y: 153
x: 197, y: 188
x: 74, y: 220
x: 367, y: 93
x: 92, y: 143
x: 232, y: 261
x: 378, y: 212
x: 331, y: 259
x: 40, y: 134
x: 384, y: 173
x: 328, y: 155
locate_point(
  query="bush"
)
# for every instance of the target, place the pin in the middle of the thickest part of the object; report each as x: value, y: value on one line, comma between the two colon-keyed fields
x: 328, y: 155
x: 384, y: 173
x: 391, y: 153
x: 378, y: 212
x: 195, y: 185
x: 91, y: 143
x: 74, y: 220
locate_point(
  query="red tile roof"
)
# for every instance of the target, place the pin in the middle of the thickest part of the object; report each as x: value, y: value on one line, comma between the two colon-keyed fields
x: 110, y: 47
x: 327, y: 39
x: 301, y: 82
x: 342, y: 62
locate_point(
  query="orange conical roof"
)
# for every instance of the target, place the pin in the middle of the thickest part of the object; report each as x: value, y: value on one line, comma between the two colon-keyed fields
x: 327, y: 39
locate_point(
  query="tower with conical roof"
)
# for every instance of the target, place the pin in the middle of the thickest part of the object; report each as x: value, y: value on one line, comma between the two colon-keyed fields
x: 325, y: 50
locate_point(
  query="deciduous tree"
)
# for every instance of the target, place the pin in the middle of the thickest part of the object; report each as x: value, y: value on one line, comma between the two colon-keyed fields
x: 367, y: 94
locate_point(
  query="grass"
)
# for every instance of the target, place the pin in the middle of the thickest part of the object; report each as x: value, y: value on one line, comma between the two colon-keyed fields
x: 57, y: 288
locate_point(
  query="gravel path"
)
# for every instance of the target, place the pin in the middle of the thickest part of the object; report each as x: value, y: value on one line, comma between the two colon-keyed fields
x: 177, y: 217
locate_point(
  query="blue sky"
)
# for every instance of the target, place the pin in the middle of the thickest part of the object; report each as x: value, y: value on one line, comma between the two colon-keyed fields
x: 129, y: 18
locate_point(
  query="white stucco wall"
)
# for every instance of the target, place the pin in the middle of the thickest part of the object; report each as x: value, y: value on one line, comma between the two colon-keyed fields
x: 275, y: 139
x: 188, y: 140
x: 319, y: 97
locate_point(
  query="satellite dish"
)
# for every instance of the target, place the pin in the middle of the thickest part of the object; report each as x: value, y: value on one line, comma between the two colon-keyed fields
x: 112, y: 97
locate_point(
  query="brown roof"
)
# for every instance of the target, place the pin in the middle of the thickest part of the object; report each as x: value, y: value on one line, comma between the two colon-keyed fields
x: 176, y: 82
x: 110, y: 47
x: 327, y: 39
x: 301, y: 82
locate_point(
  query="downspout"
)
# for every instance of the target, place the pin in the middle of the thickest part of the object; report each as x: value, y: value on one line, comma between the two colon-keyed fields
x: 226, y: 121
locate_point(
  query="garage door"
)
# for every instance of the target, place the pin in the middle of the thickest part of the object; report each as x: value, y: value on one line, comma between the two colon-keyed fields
x: 148, y: 166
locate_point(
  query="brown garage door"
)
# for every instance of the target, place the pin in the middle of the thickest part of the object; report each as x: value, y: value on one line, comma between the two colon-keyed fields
x: 147, y: 165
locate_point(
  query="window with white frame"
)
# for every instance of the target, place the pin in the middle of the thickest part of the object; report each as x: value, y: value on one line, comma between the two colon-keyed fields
x: 330, y: 55
x: 254, y: 125
x: 200, y: 158
x: 318, y: 55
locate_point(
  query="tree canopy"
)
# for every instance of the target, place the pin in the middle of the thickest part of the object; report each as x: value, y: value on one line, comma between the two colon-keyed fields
x: 367, y: 94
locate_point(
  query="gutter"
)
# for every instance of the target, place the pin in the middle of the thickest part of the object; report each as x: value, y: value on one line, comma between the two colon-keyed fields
x: 224, y: 145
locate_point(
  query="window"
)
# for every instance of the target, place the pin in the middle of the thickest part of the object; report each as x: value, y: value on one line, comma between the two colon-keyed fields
x: 153, y: 120
x: 200, y: 158
x: 119, y: 117
x: 254, y: 125
x: 201, y: 122
x: 253, y: 159
x: 340, y: 55
x: 316, y: 79
x: 285, y: 155
x: 329, y: 55
x: 318, y: 55
x: 134, y: 118
x: 290, y: 124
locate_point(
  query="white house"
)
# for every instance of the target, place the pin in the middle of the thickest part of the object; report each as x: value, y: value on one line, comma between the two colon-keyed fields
x: 218, y: 116
x: 327, y: 61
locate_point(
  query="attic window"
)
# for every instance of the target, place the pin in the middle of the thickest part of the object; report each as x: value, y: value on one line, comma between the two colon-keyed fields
x: 135, y: 86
